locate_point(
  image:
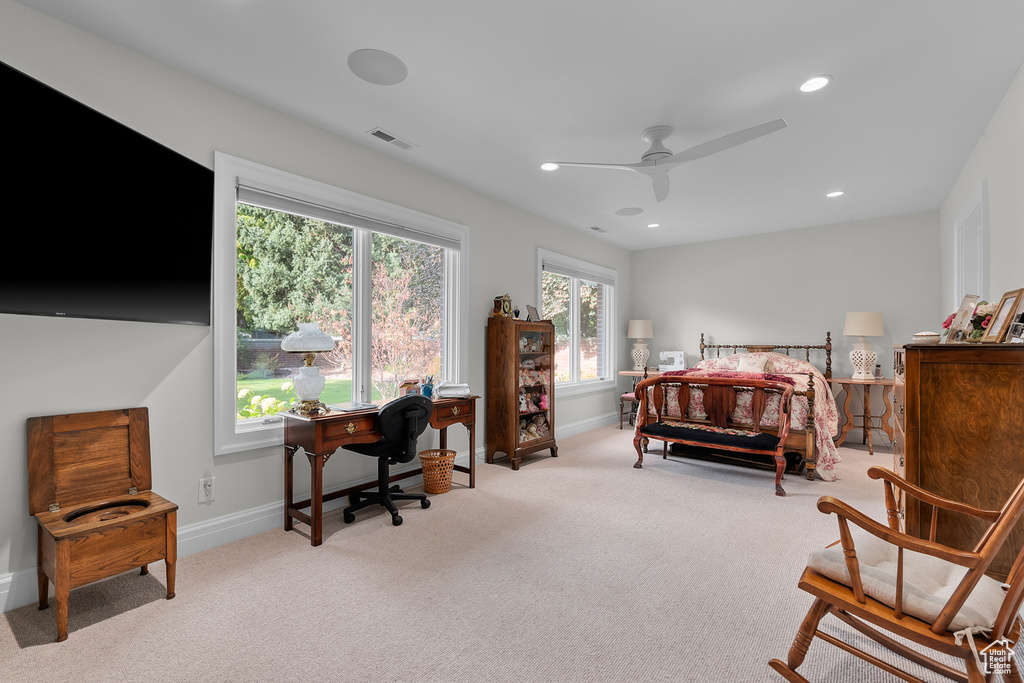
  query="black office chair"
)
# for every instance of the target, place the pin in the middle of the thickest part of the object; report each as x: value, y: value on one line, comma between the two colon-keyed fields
x: 401, y: 422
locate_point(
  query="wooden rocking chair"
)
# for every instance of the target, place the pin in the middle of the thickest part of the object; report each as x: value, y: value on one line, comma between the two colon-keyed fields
x: 877, y: 579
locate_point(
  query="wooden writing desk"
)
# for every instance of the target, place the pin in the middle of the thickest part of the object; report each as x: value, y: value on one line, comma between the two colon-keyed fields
x: 321, y: 435
x: 865, y: 384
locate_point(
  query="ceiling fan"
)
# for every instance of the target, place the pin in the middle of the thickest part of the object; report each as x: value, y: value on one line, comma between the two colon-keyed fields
x: 658, y: 160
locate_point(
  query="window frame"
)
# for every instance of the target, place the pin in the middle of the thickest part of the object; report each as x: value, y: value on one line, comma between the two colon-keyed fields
x: 232, y: 435
x: 577, y: 269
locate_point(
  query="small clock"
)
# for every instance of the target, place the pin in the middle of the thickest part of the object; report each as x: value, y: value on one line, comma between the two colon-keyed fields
x: 502, y: 307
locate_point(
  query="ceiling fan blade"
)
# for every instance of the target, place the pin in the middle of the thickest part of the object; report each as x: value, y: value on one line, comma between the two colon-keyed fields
x: 621, y: 167
x: 660, y: 186
x: 726, y: 141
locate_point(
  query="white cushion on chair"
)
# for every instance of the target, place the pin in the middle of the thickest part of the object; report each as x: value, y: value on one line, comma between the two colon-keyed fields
x: 927, y: 581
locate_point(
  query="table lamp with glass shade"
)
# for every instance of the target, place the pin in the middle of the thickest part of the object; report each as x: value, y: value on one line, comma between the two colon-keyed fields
x: 640, y: 330
x: 308, y: 383
x: 862, y: 325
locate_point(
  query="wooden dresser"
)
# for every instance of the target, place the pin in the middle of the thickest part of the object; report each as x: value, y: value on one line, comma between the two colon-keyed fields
x: 959, y: 432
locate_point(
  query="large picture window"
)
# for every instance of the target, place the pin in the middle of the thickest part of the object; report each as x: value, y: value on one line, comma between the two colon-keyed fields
x: 578, y: 297
x: 383, y: 281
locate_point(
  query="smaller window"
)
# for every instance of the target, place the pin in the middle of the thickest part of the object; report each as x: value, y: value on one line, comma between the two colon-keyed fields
x: 578, y: 297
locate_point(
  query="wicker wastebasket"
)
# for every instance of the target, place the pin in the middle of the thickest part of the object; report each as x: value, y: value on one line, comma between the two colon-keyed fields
x: 437, y: 470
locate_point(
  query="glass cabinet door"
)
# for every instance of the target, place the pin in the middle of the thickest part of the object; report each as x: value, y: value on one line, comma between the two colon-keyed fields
x: 535, y: 380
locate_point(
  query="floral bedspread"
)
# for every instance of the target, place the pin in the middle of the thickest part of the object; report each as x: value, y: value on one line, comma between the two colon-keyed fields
x: 826, y: 414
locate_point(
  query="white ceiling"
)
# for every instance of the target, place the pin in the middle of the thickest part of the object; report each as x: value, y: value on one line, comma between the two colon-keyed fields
x: 494, y: 89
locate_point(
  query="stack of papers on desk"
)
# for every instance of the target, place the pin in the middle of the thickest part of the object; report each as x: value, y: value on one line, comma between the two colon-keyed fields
x: 350, y: 407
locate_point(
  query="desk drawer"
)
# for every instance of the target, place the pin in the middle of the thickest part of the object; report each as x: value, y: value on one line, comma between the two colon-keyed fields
x: 449, y: 413
x: 355, y: 429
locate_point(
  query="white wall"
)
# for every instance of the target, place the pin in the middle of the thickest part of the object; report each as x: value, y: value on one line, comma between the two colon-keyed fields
x: 792, y: 287
x: 55, y: 366
x: 999, y: 159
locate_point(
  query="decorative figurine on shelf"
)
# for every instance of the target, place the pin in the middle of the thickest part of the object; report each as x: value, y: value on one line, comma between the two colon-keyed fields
x: 515, y: 312
x: 524, y: 406
x: 522, y: 431
x: 543, y: 401
x: 540, y: 424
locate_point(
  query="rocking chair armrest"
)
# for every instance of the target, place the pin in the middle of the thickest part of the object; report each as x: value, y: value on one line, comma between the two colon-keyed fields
x: 828, y: 505
x: 930, y: 498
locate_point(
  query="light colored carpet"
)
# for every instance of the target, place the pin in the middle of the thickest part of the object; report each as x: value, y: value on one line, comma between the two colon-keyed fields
x: 576, y: 568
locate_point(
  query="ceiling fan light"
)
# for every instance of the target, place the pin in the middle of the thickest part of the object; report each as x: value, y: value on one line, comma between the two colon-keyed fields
x: 549, y: 166
x: 815, y: 83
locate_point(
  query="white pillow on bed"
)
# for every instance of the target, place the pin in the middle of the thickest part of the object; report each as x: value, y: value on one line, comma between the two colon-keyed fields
x: 751, y: 362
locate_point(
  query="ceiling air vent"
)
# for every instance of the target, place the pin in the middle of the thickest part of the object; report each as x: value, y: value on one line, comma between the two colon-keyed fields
x: 382, y: 134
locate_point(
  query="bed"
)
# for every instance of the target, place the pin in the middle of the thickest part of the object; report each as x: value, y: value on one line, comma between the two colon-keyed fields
x: 815, y: 418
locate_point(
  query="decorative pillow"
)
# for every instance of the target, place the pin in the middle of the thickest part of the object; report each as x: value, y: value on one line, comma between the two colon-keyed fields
x: 927, y: 581
x: 751, y: 363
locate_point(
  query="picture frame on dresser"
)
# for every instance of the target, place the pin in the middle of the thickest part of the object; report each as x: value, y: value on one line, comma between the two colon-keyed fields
x: 1016, y: 333
x: 1004, y: 314
x: 962, y: 319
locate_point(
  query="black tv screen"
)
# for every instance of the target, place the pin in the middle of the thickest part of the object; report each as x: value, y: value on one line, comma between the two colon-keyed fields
x: 98, y: 221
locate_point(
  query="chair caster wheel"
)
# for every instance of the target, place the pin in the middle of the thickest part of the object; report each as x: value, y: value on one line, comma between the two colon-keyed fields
x: 349, y: 517
x: 424, y: 503
x: 396, y: 520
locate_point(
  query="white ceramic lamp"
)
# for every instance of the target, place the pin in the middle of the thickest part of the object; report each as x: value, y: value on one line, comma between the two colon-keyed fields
x: 862, y: 325
x: 640, y: 330
x: 308, y: 383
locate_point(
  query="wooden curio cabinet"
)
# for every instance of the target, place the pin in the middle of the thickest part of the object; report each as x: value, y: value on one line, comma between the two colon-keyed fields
x: 959, y: 429
x: 520, y: 388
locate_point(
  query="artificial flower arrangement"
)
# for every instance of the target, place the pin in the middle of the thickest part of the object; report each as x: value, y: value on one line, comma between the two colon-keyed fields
x: 981, y: 318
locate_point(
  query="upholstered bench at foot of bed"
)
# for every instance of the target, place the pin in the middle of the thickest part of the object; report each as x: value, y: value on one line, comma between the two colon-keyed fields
x: 715, y: 431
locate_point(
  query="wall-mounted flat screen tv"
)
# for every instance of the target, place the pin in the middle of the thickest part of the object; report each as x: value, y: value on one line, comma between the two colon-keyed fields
x: 98, y: 221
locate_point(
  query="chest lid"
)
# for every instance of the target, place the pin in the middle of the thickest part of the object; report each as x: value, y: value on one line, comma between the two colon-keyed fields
x: 87, y: 457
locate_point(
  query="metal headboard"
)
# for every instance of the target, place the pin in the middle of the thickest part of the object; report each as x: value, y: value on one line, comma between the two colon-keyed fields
x: 760, y: 348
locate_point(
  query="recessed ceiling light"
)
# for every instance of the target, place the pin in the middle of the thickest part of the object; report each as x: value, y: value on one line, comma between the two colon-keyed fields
x: 815, y: 83
x: 837, y: 193
x: 654, y: 225
x: 549, y: 166
x: 377, y: 67
x: 629, y: 211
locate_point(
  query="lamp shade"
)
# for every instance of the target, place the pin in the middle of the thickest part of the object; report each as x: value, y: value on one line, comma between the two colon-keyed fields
x: 309, y: 339
x: 863, y: 325
x: 640, y: 329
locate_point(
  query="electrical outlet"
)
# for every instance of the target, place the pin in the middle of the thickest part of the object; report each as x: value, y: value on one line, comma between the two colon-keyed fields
x: 206, y: 489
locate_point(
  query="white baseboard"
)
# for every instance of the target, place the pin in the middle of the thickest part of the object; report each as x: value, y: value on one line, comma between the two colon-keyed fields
x: 564, y: 431
x: 18, y: 589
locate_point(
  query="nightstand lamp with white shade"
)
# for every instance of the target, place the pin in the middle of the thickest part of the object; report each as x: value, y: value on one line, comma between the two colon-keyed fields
x: 862, y: 325
x: 308, y: 383
x: 640, y: 330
